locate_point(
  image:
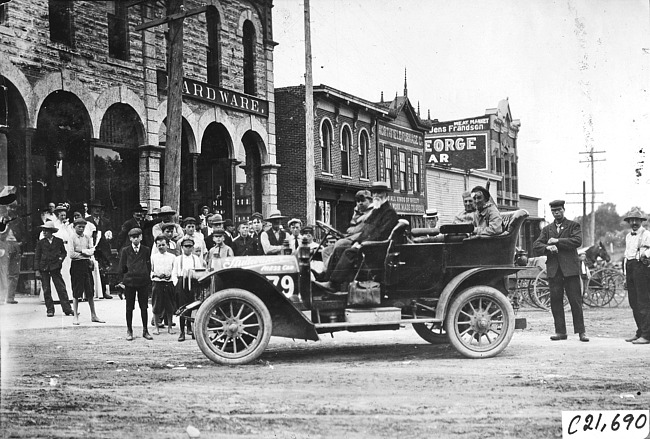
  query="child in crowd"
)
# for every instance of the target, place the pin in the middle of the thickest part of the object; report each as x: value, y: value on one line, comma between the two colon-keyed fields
x: 135, y: 265
x: 168, y: 231
x: 189, y: 224
x: 184, y: 285
x: 50, y: 253
x: 162, y: 296
x: 219, y: 250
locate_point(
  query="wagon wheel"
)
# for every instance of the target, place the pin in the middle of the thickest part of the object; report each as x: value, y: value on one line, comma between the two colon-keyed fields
x: 541, y: 294
x: 434, y: 333
x: 606, y: 287
x: 480, y: 322
x: 233, y: 326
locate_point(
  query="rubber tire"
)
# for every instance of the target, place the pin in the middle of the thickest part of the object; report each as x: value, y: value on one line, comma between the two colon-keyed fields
x: 202, y: 319
x: 429, y: 335
x: 460, y: 301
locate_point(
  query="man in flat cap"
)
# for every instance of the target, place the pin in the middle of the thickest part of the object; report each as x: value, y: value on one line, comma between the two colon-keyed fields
x: 81, y: 270
x: 215, y: 222
x: 467, y: 215
x: 559, y: 242
x: 135, y: 267
x: 293, y: 236
x: 637, y: 276
x: 487, y: 219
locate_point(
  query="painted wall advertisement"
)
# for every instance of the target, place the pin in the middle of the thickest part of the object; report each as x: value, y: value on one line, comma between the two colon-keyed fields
x: 458, y: 151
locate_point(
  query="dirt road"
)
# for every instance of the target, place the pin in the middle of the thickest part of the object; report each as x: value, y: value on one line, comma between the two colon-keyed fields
x: 89, y: 382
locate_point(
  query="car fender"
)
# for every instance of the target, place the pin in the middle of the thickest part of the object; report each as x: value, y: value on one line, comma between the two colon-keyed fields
x: 287, y: 320
x: 475, y: 276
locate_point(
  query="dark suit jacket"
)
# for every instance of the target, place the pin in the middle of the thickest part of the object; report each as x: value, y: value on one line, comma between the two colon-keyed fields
x: 379, y: 224
x: 135, y: 267
x: 123, y: 238
x: 570, y: 238
x: 49, y: 257
x: 103, y: 249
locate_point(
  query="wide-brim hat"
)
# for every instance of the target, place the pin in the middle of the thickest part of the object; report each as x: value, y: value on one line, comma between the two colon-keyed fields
x: 275, y: 215
x: 96, y: 203
x: 49, y: 225
x: 430, y: 213
x: 7, y: 195
x: 380, y: 186
x: 167, y: 210
x: 635, y: 213
x: 215, y: 219
x: 60, y: 208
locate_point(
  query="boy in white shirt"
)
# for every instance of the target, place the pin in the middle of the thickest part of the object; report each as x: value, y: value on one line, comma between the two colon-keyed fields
x: 181, y: 277
x: 220, y: 249
x: 200, y: 249
x: 163, y: 298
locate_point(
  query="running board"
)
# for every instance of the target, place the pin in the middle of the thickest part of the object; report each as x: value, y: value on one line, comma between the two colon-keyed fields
x: 345, y: 325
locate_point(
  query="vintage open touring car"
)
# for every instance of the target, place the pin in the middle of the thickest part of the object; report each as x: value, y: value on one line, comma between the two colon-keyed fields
x: 451, y: 286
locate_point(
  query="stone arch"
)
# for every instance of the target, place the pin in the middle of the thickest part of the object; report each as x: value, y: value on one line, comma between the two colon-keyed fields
x: 190, y: 120
x: 19, y: 80
x: 66, y: 81
x: 217, y: 114
x: 251, y: 15
x: 117, y: 95
x: 222, y: 14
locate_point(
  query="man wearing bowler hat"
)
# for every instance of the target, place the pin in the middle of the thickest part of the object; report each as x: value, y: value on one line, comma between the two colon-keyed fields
x: 103, y: 246
x: 637, y: 245
x: 559, y: 242
x: 382, y: 220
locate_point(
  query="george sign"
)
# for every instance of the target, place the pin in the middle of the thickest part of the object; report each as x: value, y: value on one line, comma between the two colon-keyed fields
x: 407, y: 204
x: 218, y: 96
x: 461, y: 126
x: 464, y: 152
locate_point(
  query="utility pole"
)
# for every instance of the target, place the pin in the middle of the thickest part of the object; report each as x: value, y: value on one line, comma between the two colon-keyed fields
x: 176, y: 13
x: 592, y: 228
x: 310, y: 174
x: 586, y: 234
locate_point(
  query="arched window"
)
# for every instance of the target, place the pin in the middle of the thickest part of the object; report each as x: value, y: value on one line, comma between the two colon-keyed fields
x: 326, y: 146
x: 249, y: 58
x: 346, y: 145
x: 213, y: 24
x: 364, y: 147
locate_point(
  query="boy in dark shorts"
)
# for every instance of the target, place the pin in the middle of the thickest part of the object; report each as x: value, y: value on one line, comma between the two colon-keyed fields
x: 181, y: 277
x: 135, y: 265
x: 81, y: 270
x: 162, y: 297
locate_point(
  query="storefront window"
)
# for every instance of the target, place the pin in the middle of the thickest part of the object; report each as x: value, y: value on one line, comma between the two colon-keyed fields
x: 116, y: 181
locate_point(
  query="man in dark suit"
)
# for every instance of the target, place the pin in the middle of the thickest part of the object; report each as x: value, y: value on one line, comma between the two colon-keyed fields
x: 103, y: 246
x: 136, y: 222
x: 48, y: 259
x: 135, y: 265
x: 244, y: 244
x: 558, y: 242
x: 340, y: 267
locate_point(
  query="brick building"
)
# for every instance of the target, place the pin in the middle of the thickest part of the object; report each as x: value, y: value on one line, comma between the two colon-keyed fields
x: 83, y: 107
x: 461, y: 154
x: 356, y: 142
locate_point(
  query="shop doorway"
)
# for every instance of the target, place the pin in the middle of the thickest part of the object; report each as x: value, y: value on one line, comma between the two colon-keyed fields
x: 116, y: 162
x: 61, y: 152
x: 214, y: 171
x: 248, y: 178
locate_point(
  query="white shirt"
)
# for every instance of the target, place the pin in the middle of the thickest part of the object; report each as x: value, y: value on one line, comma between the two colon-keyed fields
x: 162, y: 264
x: 633, y: 247
x: 182, y: 265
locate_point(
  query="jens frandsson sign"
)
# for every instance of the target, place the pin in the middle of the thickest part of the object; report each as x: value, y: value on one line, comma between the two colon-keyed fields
x: 461, y: 126
x: 464, y: 152
x: 218, y: 96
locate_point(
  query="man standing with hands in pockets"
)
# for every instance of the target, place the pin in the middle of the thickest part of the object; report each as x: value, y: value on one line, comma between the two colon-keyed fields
x: 559, y: 242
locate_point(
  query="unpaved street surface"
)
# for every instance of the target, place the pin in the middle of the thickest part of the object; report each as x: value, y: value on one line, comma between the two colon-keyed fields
x: 89, y: 382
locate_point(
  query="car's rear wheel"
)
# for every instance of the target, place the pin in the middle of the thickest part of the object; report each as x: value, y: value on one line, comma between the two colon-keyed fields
x: 233, y: 326
x: 480, y: 322
x: 434, y: 333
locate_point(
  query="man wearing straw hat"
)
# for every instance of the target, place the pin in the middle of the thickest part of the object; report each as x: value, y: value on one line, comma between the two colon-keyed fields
x: 637, y: 276
x: 273, y: 238
x: 48, y: 260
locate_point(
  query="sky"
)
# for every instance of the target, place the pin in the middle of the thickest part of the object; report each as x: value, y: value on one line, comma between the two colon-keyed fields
x: 575, y: 72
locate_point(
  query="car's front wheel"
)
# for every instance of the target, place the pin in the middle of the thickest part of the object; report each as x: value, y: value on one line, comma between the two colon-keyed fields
x: 480, y: 322
x: 233, y: 326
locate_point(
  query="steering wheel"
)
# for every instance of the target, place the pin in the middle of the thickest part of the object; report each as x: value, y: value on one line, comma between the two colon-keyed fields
x: 329, y: 229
